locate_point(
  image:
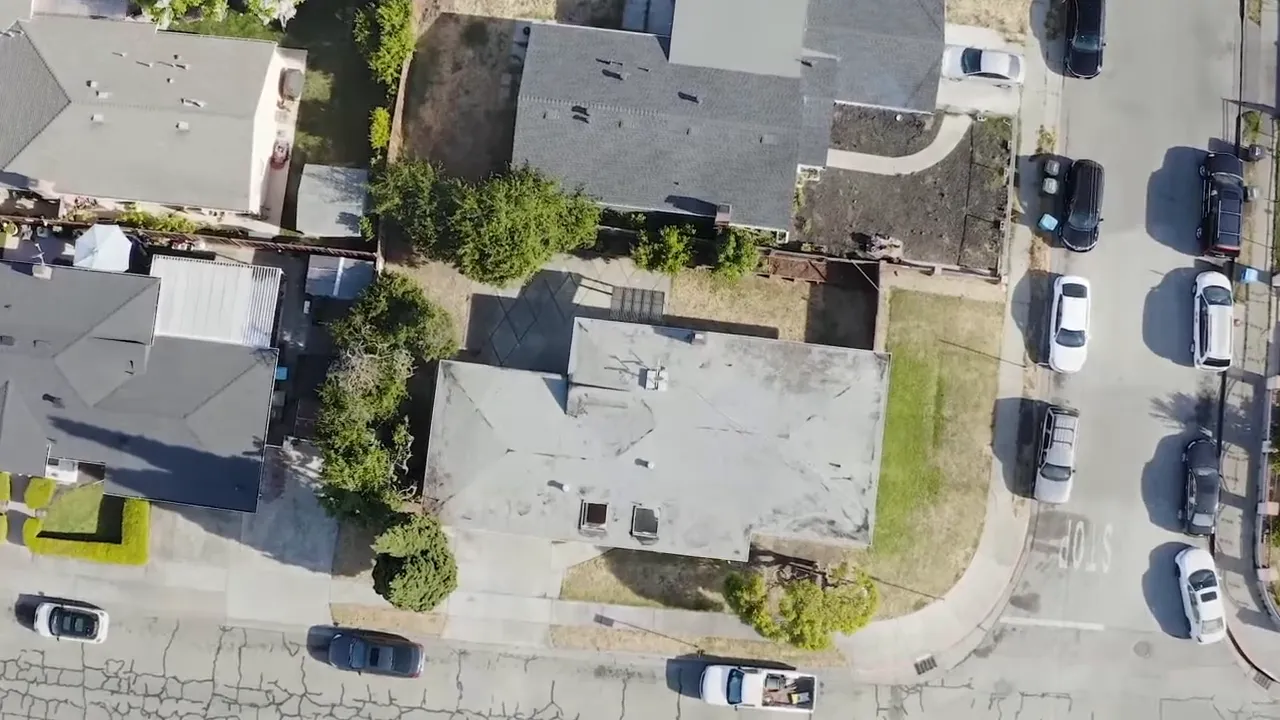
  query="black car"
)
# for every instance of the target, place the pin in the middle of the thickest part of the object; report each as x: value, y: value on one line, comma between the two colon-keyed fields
x: 1079, y: 229
x: 367, y: 651
x: 1222, y: 198
x: 1199, y: 513
x: 1086, y: 37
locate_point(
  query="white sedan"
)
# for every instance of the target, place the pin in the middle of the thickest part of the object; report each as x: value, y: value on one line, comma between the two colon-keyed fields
x: 997, y: 67
x: 71, y: 622
x: 1069, y: 324
x: 1201, y: 595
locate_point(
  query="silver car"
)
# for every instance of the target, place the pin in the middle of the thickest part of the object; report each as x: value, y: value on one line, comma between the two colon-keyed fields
x: 1056, y: 465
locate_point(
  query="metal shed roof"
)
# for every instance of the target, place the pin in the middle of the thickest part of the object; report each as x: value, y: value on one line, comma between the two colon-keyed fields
x: 338, y: 277
x: 216, y: 301
x: 331, y: 200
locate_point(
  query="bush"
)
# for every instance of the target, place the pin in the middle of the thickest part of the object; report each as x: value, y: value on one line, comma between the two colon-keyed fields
x: 383, y: 31
x: 669, y: 251
x: 737, y: 253
x: 379, y: 130
x: 808, y: 615
x: 172, y: 222
x: 394, y: 313
x: 415, y: 569
x: 6, y: 488
x: 412, y: 197
x: 510, y: 225
x: 133, y: 548
x: 39, y: 492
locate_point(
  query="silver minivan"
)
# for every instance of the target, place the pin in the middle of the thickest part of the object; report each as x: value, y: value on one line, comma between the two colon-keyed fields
x: 1056, y: 465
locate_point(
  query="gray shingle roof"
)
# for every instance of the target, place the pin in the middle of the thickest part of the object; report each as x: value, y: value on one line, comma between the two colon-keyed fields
x: 890, y: 52
x: 136, y: 152
x: 818, y: 81
x: 755, y: 36
x: 82, y: 377
x: 642, y: 144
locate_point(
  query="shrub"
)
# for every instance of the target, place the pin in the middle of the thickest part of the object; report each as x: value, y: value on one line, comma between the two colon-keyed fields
x: 39, y: 492
x: 412, y: 197
x: 379, y: 130
x: 807, y: 614
x: 394, y: 313
x: 669, y: 251
x: 747, y: 596
x: 172, y: 222
x: 737, y: 253
x: 6, y: 488
x: 133, y: 548
x: 415, y: 569
x: 383, y: 31
x: 507, y: 227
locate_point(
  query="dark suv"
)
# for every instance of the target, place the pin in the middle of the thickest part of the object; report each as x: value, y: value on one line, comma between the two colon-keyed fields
x: 1222, y: 197
x: 1078, y: 230
x: 1086, y: 36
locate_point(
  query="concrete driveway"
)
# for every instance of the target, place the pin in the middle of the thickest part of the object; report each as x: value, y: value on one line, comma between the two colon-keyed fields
x: 972, y: 96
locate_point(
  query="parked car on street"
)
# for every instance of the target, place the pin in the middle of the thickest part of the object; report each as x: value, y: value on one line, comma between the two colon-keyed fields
x: 1086, y: 37
x: 1199, y: 512
x: 996, y: 67
x: 759, y: 688
x: 379, y: 653
x: 1201, y: 595
x: 1212, y: 320
x: 1223, y: 194
x: 1080, y: 226
x: 1056, y: 464
x: 71, y: 622
x: 1069, y: 324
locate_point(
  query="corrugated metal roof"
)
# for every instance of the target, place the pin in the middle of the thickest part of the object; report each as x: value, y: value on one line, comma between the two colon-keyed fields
x: 217, y: 301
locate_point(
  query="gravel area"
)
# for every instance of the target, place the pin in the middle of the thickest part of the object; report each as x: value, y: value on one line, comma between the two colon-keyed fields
x: 881, y: 132
x: 949, y: 214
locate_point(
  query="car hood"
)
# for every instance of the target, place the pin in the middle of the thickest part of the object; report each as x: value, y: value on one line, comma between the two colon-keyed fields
x: 715, y: 680
x: 1054, y: 492
x: 1084, y: 63
x: 340, y: 651
x: 1067, y: 359
x: 1077, y: 239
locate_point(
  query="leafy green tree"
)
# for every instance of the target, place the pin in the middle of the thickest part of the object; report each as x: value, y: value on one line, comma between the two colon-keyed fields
x: 383, y: 31
x: 737, y: 253
x: 807, y: 614
x: 394, y: 313
x: 414, y: 198
x: 507, y: 227
x: 415, y: 568
x: 379, y: 130
x: 669, y: 251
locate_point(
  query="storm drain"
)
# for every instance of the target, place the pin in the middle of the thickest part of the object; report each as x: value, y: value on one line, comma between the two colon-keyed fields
x: 925, y: 664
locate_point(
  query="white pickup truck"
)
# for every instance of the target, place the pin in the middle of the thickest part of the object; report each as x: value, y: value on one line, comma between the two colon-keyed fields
x: 762, y: 688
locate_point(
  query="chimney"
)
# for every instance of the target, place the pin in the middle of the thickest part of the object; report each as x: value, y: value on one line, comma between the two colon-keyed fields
x: 183, y: 126
x: 98, y: 117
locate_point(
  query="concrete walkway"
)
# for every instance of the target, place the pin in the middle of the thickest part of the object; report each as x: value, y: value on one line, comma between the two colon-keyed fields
x: 951, y: 132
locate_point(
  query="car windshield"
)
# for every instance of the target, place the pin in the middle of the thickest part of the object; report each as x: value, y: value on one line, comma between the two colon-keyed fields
x: 1213, y: 626
x: 1082, y: 220
x: 1071, y: 338
x: 1203, y: 580
x: 971, y: 61
x: 1055, y: 472
x: 74, y: 624
x: 1087, y: 43
x: 1217, y: 362
x: 1202, y: 519
x: 1215, y: 295
x: 734, y: 692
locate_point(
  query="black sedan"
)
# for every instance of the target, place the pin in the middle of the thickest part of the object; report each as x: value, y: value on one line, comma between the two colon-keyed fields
x: 1086, y: 33
x: 367, y: 651
x: 1199, y: 513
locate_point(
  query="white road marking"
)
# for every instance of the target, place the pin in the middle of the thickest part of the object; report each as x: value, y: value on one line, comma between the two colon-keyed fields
x: 1045, y: 622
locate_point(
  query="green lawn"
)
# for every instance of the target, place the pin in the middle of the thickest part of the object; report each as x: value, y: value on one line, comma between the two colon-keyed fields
x: 935, y: 466
x: 75, y: 511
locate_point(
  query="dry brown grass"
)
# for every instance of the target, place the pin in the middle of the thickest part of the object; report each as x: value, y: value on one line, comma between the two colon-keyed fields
x: 387, y: 619
x: 1010, y: 18
x: 638, y: 641
x: 645, y: 579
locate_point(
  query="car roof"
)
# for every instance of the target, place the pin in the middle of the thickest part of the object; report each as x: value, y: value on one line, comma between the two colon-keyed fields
x: 1062, y: 443
x: 997, y: 61
x: 1086, y: 179
x: 1089, y: 14
x: 1224, y: 162
x: 1075, y: 313
x: 1220, y: 321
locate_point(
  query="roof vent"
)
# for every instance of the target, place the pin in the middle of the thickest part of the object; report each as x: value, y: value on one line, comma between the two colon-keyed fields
x: 177, y: 57
x: 689, y: 96
x: 723, y: 214
x: 697, y: 338
x: 655, y: 378
x: 103, y: 94
x: 168, y: 80
x: 644, y: 524
x: 769, y: 139
x: 593, y: 518
x: 6, y: 340
x: 145, y: 63
x: 182, y: 66
x: 92, y: 83
x: 192, y: 102
x: 183, y: 126
x: 615, y: 74
x: 549, y: 115
x: 690, y: 131
x: 120, y: 53
x: 98, y: 117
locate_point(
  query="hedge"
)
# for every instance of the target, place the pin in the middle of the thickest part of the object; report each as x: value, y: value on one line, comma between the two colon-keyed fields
x: 133, y: 548
x: 39, y: 492
x: 6, y: 487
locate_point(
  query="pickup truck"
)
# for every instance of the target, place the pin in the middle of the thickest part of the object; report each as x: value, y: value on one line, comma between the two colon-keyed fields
x: 760, y: 688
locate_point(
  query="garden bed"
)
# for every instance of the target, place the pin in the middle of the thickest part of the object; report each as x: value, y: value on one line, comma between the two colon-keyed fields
x: 876, y: 131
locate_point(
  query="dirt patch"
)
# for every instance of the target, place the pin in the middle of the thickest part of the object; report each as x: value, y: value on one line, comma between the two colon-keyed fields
x: 638, y: 641
x: 771, y: 307
x: 645, y: 579
x: 387, y: 619
x: 953, y: 213
x: 1010, y: 18
x: 875, y: 131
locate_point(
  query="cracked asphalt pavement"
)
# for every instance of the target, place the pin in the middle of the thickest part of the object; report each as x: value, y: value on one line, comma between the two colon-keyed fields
x: 191, y: 671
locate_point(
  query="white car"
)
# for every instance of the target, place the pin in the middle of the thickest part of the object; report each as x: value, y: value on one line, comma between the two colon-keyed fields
x: 1201, y: 595
x: 997, y: 67
x: 1069, y: 324
x: 1212, y: 319
x: 71, y: 622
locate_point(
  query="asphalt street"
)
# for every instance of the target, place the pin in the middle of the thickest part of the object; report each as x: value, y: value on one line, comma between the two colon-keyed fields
x: 190, y: 670
x: 1104, y: 561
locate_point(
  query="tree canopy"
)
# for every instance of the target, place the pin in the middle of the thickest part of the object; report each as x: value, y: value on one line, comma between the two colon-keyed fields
x: 668, y: 251
x: 415, y: 568
x: 411, y: 195
x: 383, y: 30
x: 806, y: 614
x: 164, y: 12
